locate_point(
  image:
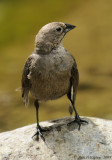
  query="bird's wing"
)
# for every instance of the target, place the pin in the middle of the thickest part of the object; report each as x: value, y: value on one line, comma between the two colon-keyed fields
x: 25, y: 82
x: 74, y: 80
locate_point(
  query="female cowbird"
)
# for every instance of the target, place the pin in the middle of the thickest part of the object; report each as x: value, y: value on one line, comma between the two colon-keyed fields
x: 51, y: 71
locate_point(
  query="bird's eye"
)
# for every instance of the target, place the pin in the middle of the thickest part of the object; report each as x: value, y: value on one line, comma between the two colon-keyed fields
x: 58, y: 29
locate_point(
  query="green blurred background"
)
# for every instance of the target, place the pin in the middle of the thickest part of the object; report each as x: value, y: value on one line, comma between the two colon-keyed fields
x: 90, y: 43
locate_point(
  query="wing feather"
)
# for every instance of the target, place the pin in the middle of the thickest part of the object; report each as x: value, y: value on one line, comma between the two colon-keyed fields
x: 74, y: 81
x: 25, y: 82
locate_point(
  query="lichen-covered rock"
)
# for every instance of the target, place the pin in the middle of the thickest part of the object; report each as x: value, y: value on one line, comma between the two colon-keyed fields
x: 62, y: 142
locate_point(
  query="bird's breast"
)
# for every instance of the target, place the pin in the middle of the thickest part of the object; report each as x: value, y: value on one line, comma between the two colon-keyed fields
x: 50, y: 76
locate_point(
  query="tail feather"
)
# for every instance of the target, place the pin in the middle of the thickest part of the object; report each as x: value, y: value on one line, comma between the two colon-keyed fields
x: 25, y: 97
x: 18, y: 89
x: 70, y: 108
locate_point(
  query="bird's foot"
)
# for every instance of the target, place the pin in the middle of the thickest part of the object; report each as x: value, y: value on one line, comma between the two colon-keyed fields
x: 39, y: 133
x: 78, y: 120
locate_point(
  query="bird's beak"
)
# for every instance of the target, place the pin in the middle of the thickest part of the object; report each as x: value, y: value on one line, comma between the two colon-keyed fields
x: 69, y: 27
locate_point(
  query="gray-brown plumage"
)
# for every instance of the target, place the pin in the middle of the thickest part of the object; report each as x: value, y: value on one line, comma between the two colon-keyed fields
x: 50, y: 71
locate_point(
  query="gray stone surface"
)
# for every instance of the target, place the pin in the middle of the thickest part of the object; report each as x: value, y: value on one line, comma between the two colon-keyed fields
x: 93, y: 141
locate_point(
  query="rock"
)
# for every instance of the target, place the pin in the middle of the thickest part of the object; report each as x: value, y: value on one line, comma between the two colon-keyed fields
x: 62, y: 142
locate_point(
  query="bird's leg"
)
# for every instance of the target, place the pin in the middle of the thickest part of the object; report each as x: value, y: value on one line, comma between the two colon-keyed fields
x: 39, y: 129
x: 77, y: 120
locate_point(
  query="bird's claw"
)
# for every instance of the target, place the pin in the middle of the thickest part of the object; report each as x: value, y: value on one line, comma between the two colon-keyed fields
x: 79, y: 121
x: 39, y: 133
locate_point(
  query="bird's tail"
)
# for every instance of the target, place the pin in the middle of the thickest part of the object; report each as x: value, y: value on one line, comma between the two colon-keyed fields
x: 25, y: 97
x: 70, y: 108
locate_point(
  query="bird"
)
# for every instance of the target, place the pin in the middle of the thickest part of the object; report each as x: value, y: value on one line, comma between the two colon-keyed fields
x: 51, y: 72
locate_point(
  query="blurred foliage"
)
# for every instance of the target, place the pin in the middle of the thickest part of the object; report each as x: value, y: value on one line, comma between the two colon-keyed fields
x: 89, y: 43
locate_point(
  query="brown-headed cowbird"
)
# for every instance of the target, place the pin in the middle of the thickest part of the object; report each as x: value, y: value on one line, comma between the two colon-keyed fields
x: 51, y: 71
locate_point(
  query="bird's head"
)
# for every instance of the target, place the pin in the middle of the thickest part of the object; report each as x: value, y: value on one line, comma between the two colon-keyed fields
x: 51, y: 35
